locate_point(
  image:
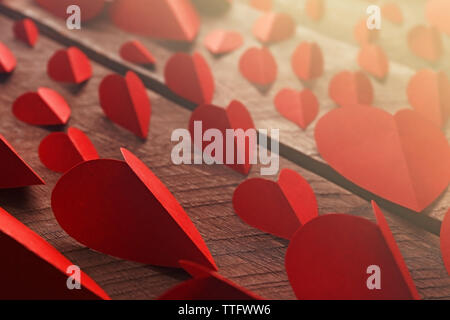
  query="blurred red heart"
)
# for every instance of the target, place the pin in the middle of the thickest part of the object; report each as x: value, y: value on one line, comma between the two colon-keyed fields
x: 350, y: 89
x: 438, y: 14
x: 300, y: 107
x: 307, y: 61
x: 26, y: 31
x: 7, y: 59
x: 314, y: 9
x: 392, y: 12
x: 373, y: 60
x: 425, y: 42
x: 364, y: 35
x: 135, y: 52
x: 71, y: 66
x: 273, y: 27
x: 222, y: 41
x: 258, y: 66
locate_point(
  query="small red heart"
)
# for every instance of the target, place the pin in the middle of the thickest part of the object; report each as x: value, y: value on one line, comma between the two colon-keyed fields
x: 263, y: 5
x: 307, y: 61
x: 373, y: 60
x: 445, y: 240
x: 429, y: 94
x: 258, y: 66
x: 351, y: 88
x: 392, y: 12
x: 223, y: 41
x: 425, y: 42
x: 71, y: 66
x: 299, y: 107
x: 32, y: 269
x: 89, y: 8
x: 42, y: 108
x: 60, y: 151
x: 8, y: 61
x: 190, y: 77
x: 125, y: 101
x: 437, y: 13
x: 26, y: 31
x: 135, y: 52
x: 314, y: 9
x: 163, y: 19
x: 403, y: 158
x: 328, y: 259
x: 279, y: 208
x: 364, y: 35
x: 273, y: 27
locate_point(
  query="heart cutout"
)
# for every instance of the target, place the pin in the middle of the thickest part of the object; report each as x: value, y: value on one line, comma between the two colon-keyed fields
x: 307, y: 61
x: 135, y: 52
x: 8, y: 61
x: 70, y: 66
x: 373, y: 60
x: 425, y: 42
x: 258, y: 66
x: 273, y: 27
x: 364, y: 35
x: 89, y: 8
x: 437, y: 13
x: 445, y: 240
x: 392, y: 12
x: 25, y: 30
x: 351, y: 88
x: 314, y: 9
x: 223, y: 41
x: 300, y: 107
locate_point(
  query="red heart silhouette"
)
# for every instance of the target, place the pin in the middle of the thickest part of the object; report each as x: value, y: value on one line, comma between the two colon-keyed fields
x: 135, y: 52
x: 32, y: 269
x: 299, y: 107
x: 279, y: 208
x: 60, y: 151
x: 26, y: 31
x: 164, y: 19
x: 307, y: 61
x: 425, y: 42
x: 121, y: 208
x: 89, y: 8
x: 70, y: 66
x: 392, y: 12
x: 314, y: 9
x: 125, y: 101
x: 437, y: 13
x: 373, y: 60
x: 44, y: 107
x: 364, y: 35
x: 351, y: 88
x: 403, y: 158
x: 328, y: 259
x: 258, y: 66
x: 263, y: 5
x: 273, y: 27
x: 223, y: 41
x: 429, y: 94
x: 7, y: 59
x: 445, y: 240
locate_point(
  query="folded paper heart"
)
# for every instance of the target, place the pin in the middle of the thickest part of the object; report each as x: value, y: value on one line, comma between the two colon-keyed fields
x: 279, y: 208
x: 71, y: 66
x: 372, y: 59
x: 402, y: 158
x: 429, y: 94
x: 273, y: 27
x: 314, y: 9
x: 163, y: 19
x: 206, y: 285
x: 425, y: 42
x: 258, y: 66
x: 7, y: 59
x: 60, y: 151
x: 222, y: 41
x: 135, y: 52
x: 351, y: 88
x: 300, y: 107
x: 15, y: 172
x: 125, y: 101
x: 32, y: 269
x: 344, y: 257
x: 122, y: 209
x: 307, y: 61
x: 235, y: 116
x: 364, y: 35
x: 438, y: 14
x: 392, y: 12
x: 263, y: 5
x: 190, y: 77
x: 43, y: 108
x: 89, y: 8
x: 445, y: 240
x: 25, y: 30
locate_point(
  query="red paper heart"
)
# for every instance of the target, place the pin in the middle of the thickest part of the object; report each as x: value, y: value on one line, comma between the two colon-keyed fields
x: 437, y: 13
x: 135, y: 52
x: 235, y: 116
x: 26, y: 31
x: 328, y: 259
x: 70, y: 66
x: 279, y: 208
x: 222, y: 41
x: 425, y: 42
x: 190, y: 77
x: 15, y: 172
x: 314, y: 9
x: 307, y: 61
x: 350, y: 89
x: 258, y: 66
x: 392, y: 12
x: 7, y: 59
x: 125, y: 101
x: 403, y: 158
x: 364, y: 35
x: 121, y: 208
x: 42, y: 108
x: 32, y: 269
x: 89, y: 8
x: 164, y: 19
x: 263, y: 5
x: 60, y: 151
x: 373, y: 60
x: 445, y: 240
x: 429, y: 94
x: 273, y: 27
x: 300, y: 107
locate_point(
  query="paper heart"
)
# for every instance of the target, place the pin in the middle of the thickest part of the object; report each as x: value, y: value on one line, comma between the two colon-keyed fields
x: 437, y: 13
x: 26, y: 31
x: 329, y: 259
x: 425, y: 42
x: 279, y: 208
x: 60, y: 151
x: 190, y: 77
x: 429, y: 94
x: 273, y: 27
x: 7, y: 59
x: 125, y: 101
x: 121, y: 208
x: 89, y: 8
x: 32, y: 269
x: 392, y: 12
x: 403, y: 158
x: 235, y: 116
x: 207, y: 285
x: 71, y: 66
x: 300, y: 107
x: 307, y: 61
x: 223, y: 41
x: 42, y: 108
x: 135, y: 52
x: 314, y: 9
x: 445, y: 240
x: 263, y: 5
x: 363, y: 35
x: 163, y: 19
x: 258, y: 66
x: 373, y: 60
x: 350, y: 89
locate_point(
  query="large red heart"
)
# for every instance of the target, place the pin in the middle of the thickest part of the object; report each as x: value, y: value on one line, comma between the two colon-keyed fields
x: 273, y: 27
x: 329, y: 259
x: 258, y: 66
x: 425, y: 42
x: 71, y: 66
x: 26, y: 31
x: 223, y: 41
x: 373, y: 60
x: 300, y: 107
x: 438, y: 14
x: 8, y: 61
x: 307, y: 61
x: 279, y: 208
x: 89, y: 8
x: 125, y: 101
x: 403, y: 158
x: 445, y: 241
x: 121, y: 208
x: 351, y: 88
